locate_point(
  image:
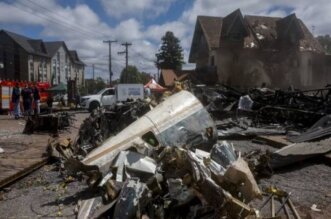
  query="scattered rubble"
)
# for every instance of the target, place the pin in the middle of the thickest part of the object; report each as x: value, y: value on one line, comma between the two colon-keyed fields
x: 170, y: 163
x: 321, y: 129
x: 104, y: 123
x: 48, y: 122
x: 298, y: 152
x: 167, y: 160
x: 291, y: 109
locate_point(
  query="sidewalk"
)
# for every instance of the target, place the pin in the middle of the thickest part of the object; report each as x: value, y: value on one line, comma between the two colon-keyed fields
x: 24, y: 153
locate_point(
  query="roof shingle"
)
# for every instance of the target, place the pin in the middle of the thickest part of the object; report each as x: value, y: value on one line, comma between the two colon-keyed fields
x: 264, y: 32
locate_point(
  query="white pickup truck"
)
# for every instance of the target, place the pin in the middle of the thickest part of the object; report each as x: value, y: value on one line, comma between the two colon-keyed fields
x: 110, y: 96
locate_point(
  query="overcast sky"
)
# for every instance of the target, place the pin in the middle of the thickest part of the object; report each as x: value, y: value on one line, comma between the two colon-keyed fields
x: 84, y: 24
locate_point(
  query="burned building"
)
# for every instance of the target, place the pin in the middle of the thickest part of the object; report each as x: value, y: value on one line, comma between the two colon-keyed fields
x: 247, y: 51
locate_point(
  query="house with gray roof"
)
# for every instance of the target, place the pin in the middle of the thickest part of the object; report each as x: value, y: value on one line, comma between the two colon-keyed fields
x: 23, y: 58
x: 26, y: 59
x: 247, y: 51
x: 77, y: 69
x: 65, y: 63
x: 60, y: 62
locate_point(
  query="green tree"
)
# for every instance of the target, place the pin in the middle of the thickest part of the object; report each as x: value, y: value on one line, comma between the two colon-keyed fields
x: 325, y: 41
x: 145, y: 77
x: 132, y: 75
x: 93, y: 86
x: 170, y: 55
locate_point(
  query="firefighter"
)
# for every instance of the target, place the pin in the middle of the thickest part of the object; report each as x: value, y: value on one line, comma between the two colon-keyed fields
x: 36, y: 99
x: 16, y: 100
x: 27, y: 99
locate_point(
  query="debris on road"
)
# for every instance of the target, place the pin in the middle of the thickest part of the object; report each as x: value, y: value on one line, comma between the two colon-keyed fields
x: 167, y: 160
x: 48, y: 122
x: 99, y: 126
x: 298, y: 152
x: 284, y: 198
x: 314, y: 208
x: 170, y: 160
x: 104, y: 123
x: 321, y: 129
x: 292, y: 109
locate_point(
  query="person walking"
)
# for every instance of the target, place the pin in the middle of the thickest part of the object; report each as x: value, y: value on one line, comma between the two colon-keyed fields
x: 36, y: 100
x: 16, y: 100
x: 77, y: 100
x: 27, y: 100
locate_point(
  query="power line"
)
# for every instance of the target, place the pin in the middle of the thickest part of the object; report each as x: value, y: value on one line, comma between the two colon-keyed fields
x: 64, y: 21
x: 50, y: 20
x: 61, y: 20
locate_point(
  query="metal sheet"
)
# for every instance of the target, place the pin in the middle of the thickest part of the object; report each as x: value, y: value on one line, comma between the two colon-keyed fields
x: 172, y: 114
x: 297, y: 152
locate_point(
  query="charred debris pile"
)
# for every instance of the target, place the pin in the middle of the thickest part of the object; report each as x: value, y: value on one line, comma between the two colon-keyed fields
x: 168, y: 161
x: 266, y: 111
x: 52, y: 123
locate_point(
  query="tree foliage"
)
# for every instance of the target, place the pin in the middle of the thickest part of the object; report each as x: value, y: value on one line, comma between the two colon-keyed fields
x: 132, y: 75
x: 325, y: 41
x: 170, y: 55
x: 93, y: 86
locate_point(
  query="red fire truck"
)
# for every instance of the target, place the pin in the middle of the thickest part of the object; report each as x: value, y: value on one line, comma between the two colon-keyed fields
x: 6, y: 89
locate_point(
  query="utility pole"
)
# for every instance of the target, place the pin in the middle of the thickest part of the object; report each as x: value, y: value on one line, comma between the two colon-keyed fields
x: 93, y: 71
x: 109, y: 44
x: 126, y: 52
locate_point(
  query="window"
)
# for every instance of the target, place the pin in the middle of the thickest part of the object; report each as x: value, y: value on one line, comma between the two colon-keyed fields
x: 31, y: 76
x: 44, y: 71
x: 150, y: 138
x: 31, y: 70
x: 31, y: 66
x: 109, y: 92
x: 66, y: 72
x: 212, y: 61
x: 69, y: 70
x: 54, y: 72
x: 40, y: 72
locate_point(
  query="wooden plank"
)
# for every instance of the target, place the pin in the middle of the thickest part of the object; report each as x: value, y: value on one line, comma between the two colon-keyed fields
x: 280, y: 141
x: 277, y: 141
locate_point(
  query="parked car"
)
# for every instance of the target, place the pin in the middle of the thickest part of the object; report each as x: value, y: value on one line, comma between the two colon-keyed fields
x: 108, y: 97
x: 104, y: 97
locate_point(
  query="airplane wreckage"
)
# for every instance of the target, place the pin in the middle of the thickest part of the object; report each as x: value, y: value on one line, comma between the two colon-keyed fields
x: 168, y: 163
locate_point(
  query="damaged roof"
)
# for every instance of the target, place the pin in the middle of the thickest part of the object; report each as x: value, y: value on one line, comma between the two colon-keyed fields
x: 309, y: 43
x: 210, y: 28
x: 263, y: 32
x: 168, y: 76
